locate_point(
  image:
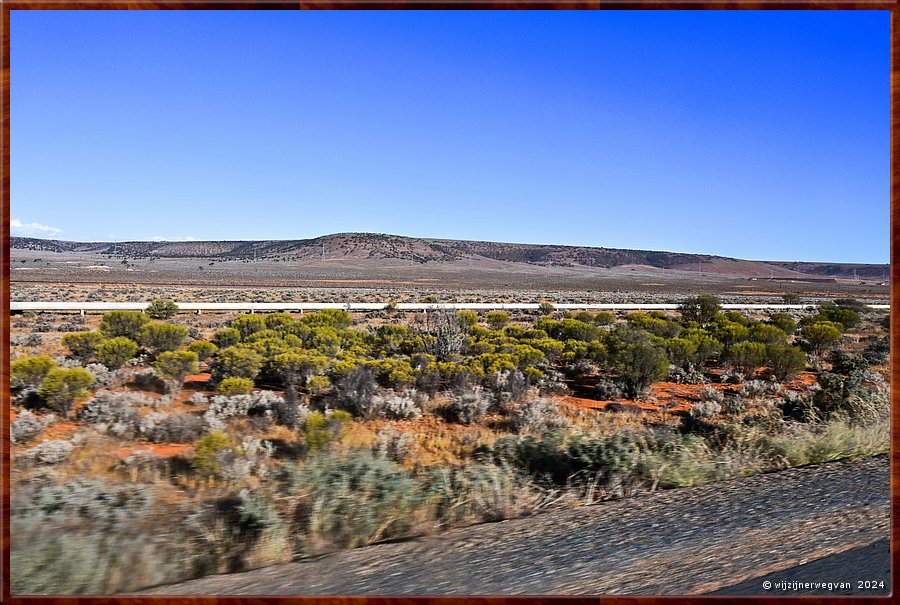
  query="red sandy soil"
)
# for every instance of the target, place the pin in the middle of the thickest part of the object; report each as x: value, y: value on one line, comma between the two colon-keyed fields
x: 197, y: 380
x: 59, y: 429
x: 668, y: 396
x: 164, y: 450
x: 801, y: 381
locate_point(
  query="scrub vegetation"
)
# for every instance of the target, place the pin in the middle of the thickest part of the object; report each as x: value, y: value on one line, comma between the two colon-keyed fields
x: 155, y: 447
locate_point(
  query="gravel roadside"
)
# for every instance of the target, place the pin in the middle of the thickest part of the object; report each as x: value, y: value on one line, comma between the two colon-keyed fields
x: 687, y: 541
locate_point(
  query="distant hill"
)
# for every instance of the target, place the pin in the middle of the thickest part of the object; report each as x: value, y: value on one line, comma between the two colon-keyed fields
x: 360, y: 249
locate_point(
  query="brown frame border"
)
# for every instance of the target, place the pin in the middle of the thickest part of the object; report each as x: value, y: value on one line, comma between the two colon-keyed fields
x: 7, y: 5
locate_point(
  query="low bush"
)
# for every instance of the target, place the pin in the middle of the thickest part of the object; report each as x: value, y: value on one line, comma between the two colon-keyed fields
x: 206, y: 452
x: 175, y: 428
x: 27, y: 426
x: 759, y: 388
x: 608, y: 389
x: 350, y: 501
x: 321, y: 429
x: 30, y: 371
x: 394, y: 446
x: 235, y: 386
x: 405, y: 406
x: 228, y: 406
x: 355, y: 392
x: 508, y: 386
x: 706, y: 408
x: 113, y: 412
x: 536, y: 416
x: 468, y: 406
x: 49, y: 452
x: 877, y: 351
x: 26, y: 340
x: 86, y: 537
x: 680, y: 375
x: 115, y: 352
x: 104, y: 377
x: 161, y: 309
x: 62, y: 387
x: 711, y: 394
x: 481, y: 492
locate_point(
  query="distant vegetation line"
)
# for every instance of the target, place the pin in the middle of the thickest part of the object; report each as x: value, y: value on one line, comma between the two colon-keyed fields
x: 310, y: 306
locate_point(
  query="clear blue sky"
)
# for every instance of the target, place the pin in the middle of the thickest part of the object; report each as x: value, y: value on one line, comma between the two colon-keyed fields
x: 760, y: 135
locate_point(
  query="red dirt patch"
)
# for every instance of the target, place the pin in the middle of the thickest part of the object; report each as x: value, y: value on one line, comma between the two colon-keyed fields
x: 58, y: 429
x: 163, y: 450
x: 197, y: 381
x: 801, y: 381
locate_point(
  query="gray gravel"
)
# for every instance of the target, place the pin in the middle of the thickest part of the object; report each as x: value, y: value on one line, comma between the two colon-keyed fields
x: 688, y: 541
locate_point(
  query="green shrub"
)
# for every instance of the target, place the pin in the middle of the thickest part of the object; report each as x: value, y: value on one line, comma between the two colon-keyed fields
x: 203, y: 348
x: 248, y: 324
x: 785, y: 359
x: 701, y: 309
x: 730, y: 333
x: 318, y: 384
x: 604, y: 318
x: 637, y: 358
x: 848, y: 317
x: 161, y: 309
x: 337, y: 319
x: 783, y: 322
x: 226, y: 337
x: 235, y: 386
x: 123, y: 323
x: 31, y: 371
x: 239, y: 362
x: 767, y: 333
x: 63, y: 386
x: 82, y: 345
x: 175, y: 365
x: 299, y: 367
x: 280, y: 322
x: 467, y: 318
x: 497, y: 320
x: 821, y: 335
x: 322, y: 429
x: 206, y: 452
x: 115, y: 352
x: 747, y: 356
x: 158, y: 337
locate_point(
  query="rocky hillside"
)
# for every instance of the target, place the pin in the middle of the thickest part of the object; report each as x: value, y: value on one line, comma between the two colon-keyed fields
x: 362, y: 247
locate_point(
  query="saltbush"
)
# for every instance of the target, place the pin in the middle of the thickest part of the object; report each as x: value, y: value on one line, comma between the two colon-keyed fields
x: 27, y: 426
x: 536, y: 415
x: 349, y: 501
